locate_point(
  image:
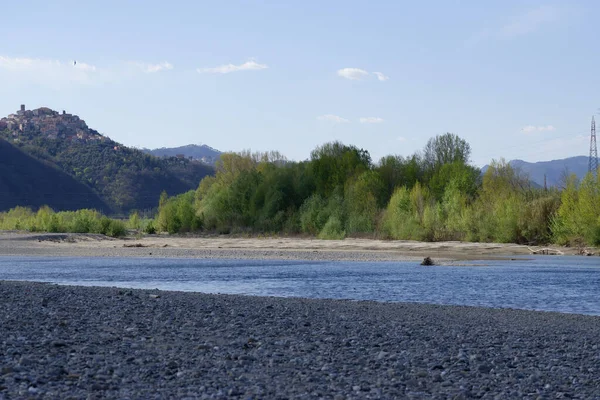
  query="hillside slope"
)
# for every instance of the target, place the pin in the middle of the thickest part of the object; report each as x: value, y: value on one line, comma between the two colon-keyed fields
x: 125, y: 178
x: 26, y: 181
x: 554, y: 170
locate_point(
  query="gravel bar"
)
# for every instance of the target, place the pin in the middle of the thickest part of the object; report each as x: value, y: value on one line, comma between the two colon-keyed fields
x: 275, y: 248
x: 61, y: 342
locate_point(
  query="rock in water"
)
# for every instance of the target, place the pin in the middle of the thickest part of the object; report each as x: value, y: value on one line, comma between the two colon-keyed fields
x: 427, y: 261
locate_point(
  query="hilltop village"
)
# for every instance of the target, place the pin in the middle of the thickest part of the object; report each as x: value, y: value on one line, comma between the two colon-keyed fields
x: 49, y: 124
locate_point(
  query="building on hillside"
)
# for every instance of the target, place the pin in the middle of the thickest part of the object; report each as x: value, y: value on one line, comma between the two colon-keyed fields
x: 50, y: 124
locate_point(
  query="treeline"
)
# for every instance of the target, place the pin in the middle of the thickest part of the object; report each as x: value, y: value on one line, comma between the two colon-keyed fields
x: 432, y: 195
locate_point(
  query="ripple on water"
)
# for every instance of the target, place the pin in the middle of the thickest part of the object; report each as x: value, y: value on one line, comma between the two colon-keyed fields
x: 564, y: 284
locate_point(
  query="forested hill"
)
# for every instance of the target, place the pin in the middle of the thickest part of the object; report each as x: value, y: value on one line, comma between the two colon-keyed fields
x: 26, y: 181
x: 203, y: 153
x: 124, y: 178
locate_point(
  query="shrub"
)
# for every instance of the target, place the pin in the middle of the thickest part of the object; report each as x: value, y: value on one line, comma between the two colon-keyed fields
x: 150, y: 228
x: 104, y: 225
x: 134, y: 221
x: 86, y: 221
x: 333, y: 229
x: 116, y: 228
x: 46, y: 220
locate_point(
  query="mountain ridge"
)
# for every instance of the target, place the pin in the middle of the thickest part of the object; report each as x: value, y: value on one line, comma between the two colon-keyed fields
x: 553, y: 171
x: 123, y: 177
x: 201, y: 152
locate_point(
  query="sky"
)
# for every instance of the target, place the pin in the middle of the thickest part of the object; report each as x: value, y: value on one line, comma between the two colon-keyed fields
x: 515, y: 79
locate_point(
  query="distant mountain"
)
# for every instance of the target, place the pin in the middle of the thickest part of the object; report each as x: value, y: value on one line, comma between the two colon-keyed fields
x: 203, y: 153
x: 123, y: 178
x: 554, y: 170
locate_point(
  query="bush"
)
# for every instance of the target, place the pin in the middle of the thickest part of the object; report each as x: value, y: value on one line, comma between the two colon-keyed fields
x: 177, y: 214
x: 150, y: 228
x: 46, y: 220
x: 86, y: 221
x: 116, y: 228
x: 134, y: 221
x: 333, y: 229
x: 104, y: 225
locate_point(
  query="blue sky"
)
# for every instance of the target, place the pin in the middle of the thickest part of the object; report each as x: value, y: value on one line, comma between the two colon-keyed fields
x: 516, y: 79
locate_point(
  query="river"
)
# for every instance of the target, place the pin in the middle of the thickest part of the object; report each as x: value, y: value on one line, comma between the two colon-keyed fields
x: 550, y: 283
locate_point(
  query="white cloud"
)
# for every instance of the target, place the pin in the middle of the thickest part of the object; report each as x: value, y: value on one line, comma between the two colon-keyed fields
x: 84, y: 67
x: 332, y: 118
x: 529, y: 21
x: 152, y: 68
x: 353, y: 74
x: 58, y: 74
x: 39, y: 64
x: 21, y: 64
x: 533, y: 129
x: 401, y: 139
x: 356, y: 74
x: 371, y: 120
x: 48, y: 72
x: 381, y: 76
x: 227, y: 68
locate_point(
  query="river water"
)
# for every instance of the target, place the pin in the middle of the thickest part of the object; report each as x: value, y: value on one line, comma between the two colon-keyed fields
x: 550, y: 283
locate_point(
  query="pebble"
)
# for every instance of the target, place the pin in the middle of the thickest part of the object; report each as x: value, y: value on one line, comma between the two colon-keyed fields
x: 90, y: 342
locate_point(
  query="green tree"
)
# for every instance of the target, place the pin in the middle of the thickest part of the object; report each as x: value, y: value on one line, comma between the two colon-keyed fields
x: 446, y: 149
x: 400, y: 220
x: 363, y: 198
x: 465, y: 177
x: 397, y: 171
x: 577, y: 221
x: 332, y: 164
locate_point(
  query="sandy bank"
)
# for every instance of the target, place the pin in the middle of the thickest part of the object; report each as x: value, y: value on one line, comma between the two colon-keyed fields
x: 26, y: 244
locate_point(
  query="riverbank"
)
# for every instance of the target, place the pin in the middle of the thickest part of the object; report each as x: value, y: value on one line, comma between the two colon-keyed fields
x: 351, y: 249
x: 89, y: 342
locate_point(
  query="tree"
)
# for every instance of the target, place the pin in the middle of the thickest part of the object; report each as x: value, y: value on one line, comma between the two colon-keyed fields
x: 446, y: 149
x: 465, y: 177
x: 397, y: 171
x: 230, y: 165
x: 502, y: 178
x: 578, y: 218
x: 363, y: 200
x: 333, y: 163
